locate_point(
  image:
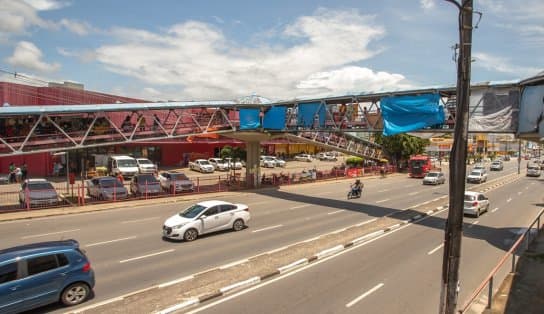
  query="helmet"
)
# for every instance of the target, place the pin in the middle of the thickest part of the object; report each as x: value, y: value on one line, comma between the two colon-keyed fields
x: 357, y: 181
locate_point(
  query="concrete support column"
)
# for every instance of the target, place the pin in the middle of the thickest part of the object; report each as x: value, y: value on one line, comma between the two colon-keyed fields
x: 253, y: 164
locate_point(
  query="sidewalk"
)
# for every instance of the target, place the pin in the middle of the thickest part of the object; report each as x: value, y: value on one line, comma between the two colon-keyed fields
x: 523, y: 291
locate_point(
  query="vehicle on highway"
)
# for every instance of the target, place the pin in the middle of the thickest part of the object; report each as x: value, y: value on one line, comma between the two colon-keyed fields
x: 496, y: 166
x: 37, y: 274
x: 327, y: 156
x: 146, y: 166
x: 106, y: 188
x: 419, y: 166
x: 219, y: 164
x: 206, y: 217
x: 477, y: 176
x: 478, y: 167
x: 435, y: 178
x: 201, y: 165
x: 533, y: 170
x: 233, y: 164
x: 173, y: 181
x: 304, y: 157
x: 144, y: 184
x: 267, y: 162
x: 37, y: 192
x: 475, y: 203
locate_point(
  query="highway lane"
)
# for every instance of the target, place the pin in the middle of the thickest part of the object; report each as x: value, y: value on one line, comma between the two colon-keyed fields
x: 399, y: 273
x: 128, y: 254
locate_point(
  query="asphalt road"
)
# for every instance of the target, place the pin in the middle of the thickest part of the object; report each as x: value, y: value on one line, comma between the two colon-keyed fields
x: 128, y: 253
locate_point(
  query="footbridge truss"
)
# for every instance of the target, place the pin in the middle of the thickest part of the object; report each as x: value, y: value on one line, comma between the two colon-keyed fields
x: 343, y: 123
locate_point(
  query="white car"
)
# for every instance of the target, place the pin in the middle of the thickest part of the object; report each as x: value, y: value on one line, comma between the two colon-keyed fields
x: 219, y: 164
x: 233, y: 164
x: 475, y: 203
x: 206, y: 217
x: 304, y: 157
x: 201, y: 165
x: 267, y: 162
x: 146, y: 166
x: 477, y: 176
x: 279, y: 162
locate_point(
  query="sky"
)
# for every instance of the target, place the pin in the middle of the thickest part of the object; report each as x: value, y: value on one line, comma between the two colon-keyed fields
x: 223, y: 50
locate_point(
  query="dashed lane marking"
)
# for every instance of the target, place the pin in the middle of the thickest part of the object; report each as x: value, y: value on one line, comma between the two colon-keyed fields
x: 364, y: 295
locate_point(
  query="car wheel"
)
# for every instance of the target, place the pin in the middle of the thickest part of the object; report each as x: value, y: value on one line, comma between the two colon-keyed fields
x: 238, y: 225
x: 190, y: 235
x: 478, y: 213
x: 75, y: 294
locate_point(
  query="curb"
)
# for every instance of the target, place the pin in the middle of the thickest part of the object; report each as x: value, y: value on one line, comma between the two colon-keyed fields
x: 294, y: 265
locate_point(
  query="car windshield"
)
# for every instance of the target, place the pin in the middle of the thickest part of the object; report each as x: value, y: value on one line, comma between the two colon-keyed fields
x: 475, y: 173
x: 268, y: 158
x: 179, y: 176
x: 496, y: 163
x: 36, y: 186
x: 192, y: 211
x: 144, y: 162
x: 109, y: 183
x: 470, y: 197
x: 147, y: 179
x: 127, y: 163
x: 534, y: 167
x: 432, y: 174
x: 204, y: 162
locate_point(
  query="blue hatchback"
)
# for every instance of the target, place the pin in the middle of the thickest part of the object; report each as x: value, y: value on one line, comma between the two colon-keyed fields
x: 38, y: 274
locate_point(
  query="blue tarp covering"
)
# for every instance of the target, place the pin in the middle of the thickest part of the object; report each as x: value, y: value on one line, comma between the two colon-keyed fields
x: 403, y: 114
x: 274, y: 118
x: 307, y: 115
x: 249, y: 119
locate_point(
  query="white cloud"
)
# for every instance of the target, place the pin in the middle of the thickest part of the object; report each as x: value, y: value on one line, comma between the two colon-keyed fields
x: 17, y: 16
x: 83, y: 55
x: 28, y: 56
x: 77, y: 27
x: 46, y: 5
x: 427, y: 4
x: 204, y: 64
x: 503, y: 65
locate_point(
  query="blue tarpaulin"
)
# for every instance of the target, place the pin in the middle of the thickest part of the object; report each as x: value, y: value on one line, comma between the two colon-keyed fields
x: 403, y: 114
x: 311, y: 114
x: 249, y: 119
x: 274, y: 118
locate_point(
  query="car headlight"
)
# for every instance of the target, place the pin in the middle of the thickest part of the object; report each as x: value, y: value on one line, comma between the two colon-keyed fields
x: 178, y: 226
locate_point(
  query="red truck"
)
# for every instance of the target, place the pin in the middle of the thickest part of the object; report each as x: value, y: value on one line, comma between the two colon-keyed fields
x: 419, y: 165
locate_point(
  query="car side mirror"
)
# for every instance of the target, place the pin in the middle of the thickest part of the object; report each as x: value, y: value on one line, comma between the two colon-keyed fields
x: 203, y: 216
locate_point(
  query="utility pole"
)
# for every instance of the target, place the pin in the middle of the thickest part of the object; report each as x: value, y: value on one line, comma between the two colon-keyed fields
x: 454, y: 225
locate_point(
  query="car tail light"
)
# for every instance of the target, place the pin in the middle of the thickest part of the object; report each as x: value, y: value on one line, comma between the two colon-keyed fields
x: 247, y: 209
x: 86, y: 267
x: 474, y: 203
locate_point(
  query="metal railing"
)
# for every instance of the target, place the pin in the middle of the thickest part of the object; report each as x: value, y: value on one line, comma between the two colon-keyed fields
x: 526, y: 239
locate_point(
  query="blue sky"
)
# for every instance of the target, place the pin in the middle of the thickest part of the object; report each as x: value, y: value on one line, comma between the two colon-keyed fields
x: 199, y: 50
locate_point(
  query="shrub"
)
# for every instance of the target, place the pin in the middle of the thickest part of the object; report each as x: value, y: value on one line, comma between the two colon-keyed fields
x: 354, y: 161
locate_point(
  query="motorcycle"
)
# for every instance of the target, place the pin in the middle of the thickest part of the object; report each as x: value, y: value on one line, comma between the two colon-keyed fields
x: 354, y: 193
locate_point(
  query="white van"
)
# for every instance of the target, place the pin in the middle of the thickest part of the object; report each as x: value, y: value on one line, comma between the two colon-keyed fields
x: 124, y: 165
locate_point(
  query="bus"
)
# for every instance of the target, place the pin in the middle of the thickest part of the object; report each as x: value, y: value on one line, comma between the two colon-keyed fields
x: 419, y: 165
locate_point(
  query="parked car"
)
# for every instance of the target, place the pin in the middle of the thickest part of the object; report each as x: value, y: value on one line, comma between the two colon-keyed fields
x: 268, y: 162
x: 106, y: 188
x: 34, y: 275
x: 219, y: 164
x: 304, y: 157
x: 475, y: 203
x: 496, y: 166
x: 434, y: 177
x: 233, y: 164
x: 279, y: 162
x: 206, y: 217
x: 146, y: 166
x: 201, y: 165
x: 326, y: 156
x: 533, y: 170
x: 477, y: 176
x: 175, y: 181
x: 37, y: 192
x: 144, y: 184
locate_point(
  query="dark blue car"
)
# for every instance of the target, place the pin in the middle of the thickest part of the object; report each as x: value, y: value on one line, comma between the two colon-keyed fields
x: 38, y: 274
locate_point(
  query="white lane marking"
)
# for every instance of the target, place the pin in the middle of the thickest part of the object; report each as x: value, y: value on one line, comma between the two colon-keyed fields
x: 509, y: 200
x: 436, y: 187
x: 144, y: 256
x: 494, y: 209
x: 383, y: 190
x: 435, y: 249
x: 46, y: 234
x: 519, y: 193
x: 381, y: 201
x: 526, y: 187
x: 139, y: 220
x: 413, y: 193
x: 474, y: 224
x: 335, y: 212
x: 364, y: 295
x: 110, y: 241
x: 300, y: 206
x: 267, y: 228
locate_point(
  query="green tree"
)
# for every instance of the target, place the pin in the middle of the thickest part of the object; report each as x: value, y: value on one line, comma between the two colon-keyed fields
x: 238, y: 153
x: 400, y: 147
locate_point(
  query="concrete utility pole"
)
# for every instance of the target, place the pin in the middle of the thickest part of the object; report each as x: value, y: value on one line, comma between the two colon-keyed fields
x: 454, y: 225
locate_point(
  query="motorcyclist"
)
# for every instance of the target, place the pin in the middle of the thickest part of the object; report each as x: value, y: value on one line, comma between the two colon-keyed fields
x: 357, y: 187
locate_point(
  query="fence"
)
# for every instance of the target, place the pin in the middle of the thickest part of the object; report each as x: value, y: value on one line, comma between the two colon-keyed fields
x: 525, y: 239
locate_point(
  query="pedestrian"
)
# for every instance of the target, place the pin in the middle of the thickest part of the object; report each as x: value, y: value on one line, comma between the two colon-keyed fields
x: 24, y: 171
x: 18, y: 174
x: 11, y: 177
x: 120, y: 177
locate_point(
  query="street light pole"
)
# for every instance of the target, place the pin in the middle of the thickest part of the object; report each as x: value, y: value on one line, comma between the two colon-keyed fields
x: 454, y: 225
